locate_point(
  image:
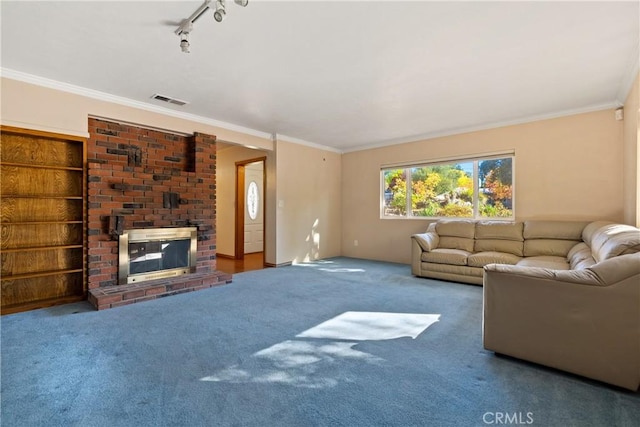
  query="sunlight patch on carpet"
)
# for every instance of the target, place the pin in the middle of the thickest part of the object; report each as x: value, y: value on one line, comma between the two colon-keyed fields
x: 371, y: 326
x: 291, y: 354
x: 309, y: 359
x: 324, y: 265
x: 297, y: 363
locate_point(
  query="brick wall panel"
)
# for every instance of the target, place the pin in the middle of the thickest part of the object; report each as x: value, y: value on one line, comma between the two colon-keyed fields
x: 168, y: 163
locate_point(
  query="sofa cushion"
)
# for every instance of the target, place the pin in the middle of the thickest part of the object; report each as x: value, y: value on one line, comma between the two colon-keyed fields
x: 481, y: 259
x: 495, y: 245
x: 579, y: 250
x: 446, y: 256
x: 550, y: 247
x: 561, y: 230
x: 549, y: 262
x: 584, y: 264
x: 449, y: 242
x: 613, y: 240
x: 591, y: 228
x: 499, y: 230
x: 580, y: 257
x: 456, y: 228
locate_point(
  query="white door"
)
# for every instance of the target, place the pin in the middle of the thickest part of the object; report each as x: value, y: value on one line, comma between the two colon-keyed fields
x: 253, y: 215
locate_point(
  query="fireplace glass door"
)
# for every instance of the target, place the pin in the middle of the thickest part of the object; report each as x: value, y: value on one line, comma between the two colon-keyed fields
x: 160, y: 255
x: 156, y: 253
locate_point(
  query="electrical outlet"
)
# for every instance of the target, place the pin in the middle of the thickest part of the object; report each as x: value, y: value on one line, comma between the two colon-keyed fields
x: 355, y: 243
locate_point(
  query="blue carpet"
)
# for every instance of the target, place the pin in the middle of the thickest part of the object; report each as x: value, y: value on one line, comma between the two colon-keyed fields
x: 307, y: 345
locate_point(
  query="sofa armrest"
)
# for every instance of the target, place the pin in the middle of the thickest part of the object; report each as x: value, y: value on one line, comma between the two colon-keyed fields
x: 416, y: 258
x: 427, y: 241
x: 617, y: 269
x: 533, y: 274
x: 420, y: 243
x: 605, y: 273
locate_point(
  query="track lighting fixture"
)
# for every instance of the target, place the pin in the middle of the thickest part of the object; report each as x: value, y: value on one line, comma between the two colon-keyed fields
x: 187, y: 24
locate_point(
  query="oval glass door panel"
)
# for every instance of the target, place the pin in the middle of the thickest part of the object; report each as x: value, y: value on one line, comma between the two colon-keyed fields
x: 253, y: 199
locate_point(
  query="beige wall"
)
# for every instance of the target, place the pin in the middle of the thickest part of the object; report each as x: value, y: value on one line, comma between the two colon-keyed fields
x: 632, y: 156
x: 308, y: 203
x: 565, y: 168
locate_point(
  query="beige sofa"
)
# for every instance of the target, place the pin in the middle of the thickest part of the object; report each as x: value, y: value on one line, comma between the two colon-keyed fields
x: 458, y: 250
x: 562, y: 294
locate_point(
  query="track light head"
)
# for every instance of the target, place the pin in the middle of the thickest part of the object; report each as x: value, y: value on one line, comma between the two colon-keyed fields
x: 184, y: 43
x: 219, y: 15
x: 220, y: 12
x: 242, y: 3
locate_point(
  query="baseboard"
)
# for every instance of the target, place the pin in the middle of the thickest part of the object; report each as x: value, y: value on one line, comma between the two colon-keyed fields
x: 284, y: 264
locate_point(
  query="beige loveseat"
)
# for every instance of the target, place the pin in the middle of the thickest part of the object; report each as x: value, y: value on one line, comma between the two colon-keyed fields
x: 562, y: 294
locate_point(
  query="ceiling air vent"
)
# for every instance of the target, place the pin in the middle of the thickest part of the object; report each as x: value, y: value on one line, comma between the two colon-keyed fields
x: 163, y: 98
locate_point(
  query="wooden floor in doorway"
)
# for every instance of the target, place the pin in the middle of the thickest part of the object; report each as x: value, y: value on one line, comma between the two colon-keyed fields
x: 254, y: 261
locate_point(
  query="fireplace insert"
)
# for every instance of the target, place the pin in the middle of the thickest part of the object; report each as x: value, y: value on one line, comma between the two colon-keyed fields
x: 155, y: 253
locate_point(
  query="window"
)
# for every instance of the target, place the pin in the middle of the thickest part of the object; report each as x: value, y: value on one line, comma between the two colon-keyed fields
x: 474, y: 188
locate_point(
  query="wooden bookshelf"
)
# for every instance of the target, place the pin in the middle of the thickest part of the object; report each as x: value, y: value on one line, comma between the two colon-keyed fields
x: 43, y: 223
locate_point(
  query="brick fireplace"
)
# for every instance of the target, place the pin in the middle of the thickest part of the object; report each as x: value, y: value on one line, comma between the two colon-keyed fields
x: 142, y: 179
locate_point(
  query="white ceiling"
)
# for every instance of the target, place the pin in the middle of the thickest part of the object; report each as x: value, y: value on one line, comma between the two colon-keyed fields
x: 345, y: 75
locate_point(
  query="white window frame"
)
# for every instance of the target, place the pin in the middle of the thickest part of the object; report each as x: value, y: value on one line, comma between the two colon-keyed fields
x: 475, y: 159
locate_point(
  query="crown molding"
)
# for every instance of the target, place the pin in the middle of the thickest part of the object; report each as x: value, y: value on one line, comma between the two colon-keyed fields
x: 285, y: 138
x: 487, y: 126
x: 103, y: 96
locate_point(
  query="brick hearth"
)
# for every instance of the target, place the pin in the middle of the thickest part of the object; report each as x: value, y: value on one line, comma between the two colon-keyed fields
x: 115, y: 296
x: 134, y: 174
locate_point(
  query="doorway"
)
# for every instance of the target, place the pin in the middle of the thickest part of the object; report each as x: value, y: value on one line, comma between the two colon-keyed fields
x: 250, y: 214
